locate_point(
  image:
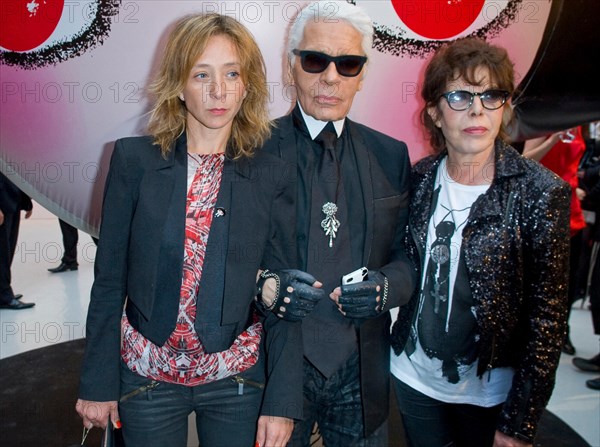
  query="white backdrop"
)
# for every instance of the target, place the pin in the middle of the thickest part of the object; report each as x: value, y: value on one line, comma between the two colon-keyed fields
x: 65, y: 100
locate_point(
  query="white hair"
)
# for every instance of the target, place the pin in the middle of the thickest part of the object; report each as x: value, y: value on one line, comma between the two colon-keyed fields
x: 330, y: 11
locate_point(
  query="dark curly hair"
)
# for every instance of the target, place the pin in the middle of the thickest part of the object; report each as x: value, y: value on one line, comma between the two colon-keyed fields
x: 460, y: 59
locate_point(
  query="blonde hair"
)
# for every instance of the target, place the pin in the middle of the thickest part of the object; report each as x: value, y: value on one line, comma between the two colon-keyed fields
x: 186, y: 43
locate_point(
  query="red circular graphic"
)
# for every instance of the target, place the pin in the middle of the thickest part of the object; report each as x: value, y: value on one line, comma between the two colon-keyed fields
x: 26, y: 24
x: 438, y: 19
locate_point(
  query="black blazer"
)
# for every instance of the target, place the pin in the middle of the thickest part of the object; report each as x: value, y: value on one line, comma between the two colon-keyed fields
x: 139, y: 263
x: 384, y: 173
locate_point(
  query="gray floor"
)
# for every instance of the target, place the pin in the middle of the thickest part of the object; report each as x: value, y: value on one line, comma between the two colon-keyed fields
x: 62, y: 300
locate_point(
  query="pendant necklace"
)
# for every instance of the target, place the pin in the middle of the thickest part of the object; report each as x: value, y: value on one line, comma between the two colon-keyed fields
x: 330, y: 224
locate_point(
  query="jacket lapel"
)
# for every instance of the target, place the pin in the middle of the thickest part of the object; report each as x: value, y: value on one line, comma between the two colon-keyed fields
x: 215, y: 303
x: 287, y: 140
x: 210, y: 300
x: 421, y: 201
x: 288, y: 151
x: 167, y: 183
x: 165, y: 186
x: 492, y: 204
x: 365, y: 174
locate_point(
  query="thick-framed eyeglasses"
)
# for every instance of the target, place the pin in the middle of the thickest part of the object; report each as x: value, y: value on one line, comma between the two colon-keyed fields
x: 462, y: 99
x: 316, y: 62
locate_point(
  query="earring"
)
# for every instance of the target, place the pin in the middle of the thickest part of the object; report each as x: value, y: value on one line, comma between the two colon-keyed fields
x: 181, y: 97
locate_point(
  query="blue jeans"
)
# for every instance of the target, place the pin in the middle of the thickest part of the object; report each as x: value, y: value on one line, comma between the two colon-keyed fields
x: 158, y: 416
x: 335, y: 404
x: 431, y: 423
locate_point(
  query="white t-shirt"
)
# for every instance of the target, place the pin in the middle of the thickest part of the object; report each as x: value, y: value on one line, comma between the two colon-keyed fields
x: 439, y: 359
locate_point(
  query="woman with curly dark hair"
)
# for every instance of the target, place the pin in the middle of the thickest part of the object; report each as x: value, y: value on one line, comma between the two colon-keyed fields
x: 478, y: 345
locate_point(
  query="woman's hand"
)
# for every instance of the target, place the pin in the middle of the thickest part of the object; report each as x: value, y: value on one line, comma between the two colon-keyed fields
x: 274, y: 431
x: 502, y: 440
x: 95, y: 414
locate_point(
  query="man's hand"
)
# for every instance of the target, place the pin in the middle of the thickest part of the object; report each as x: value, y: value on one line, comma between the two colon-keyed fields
x: 1, y: 218
x: 274, y: 431
x: 365, y: 299
x: 289, y: 294
x: 95, y: 414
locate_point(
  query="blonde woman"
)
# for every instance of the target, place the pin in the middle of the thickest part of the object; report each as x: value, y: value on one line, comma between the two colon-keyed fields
x: 191, y: 213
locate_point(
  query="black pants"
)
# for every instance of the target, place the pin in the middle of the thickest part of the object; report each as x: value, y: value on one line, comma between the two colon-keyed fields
x: 9, y: 232
x: 158, y: 417
x: 595, y: 288
x: 70, y: 239
x: 429, y: 422
x: 576, y: 245
x: 335, y: 404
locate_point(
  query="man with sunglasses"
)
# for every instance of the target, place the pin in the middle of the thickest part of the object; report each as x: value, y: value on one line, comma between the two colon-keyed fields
x: 352, y: 198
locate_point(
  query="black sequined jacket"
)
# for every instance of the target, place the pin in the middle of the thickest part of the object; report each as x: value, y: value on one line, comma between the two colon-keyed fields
x: 515, y: 247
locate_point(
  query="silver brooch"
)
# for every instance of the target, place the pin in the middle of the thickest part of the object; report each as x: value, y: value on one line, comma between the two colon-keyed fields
x: 330, y: 224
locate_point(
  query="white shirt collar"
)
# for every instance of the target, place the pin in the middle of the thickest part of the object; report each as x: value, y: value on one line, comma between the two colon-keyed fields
x: 315, y: 126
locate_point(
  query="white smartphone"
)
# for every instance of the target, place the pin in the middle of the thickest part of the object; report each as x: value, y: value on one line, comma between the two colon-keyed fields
x: 357, y: 275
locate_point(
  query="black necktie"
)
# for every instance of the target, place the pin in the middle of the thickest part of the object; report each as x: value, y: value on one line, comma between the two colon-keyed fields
x: 328, y: 169
x: 328, y: 177
x: 329, y: 338
x: 327, y: 138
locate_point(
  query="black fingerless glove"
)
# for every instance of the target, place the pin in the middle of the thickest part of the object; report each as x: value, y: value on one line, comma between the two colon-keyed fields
x: 362, y: 300
x: 295, y: 297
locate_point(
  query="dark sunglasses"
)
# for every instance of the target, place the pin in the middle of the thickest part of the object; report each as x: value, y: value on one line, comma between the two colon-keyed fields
x: 462, y: 99
x: 315, y: 62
